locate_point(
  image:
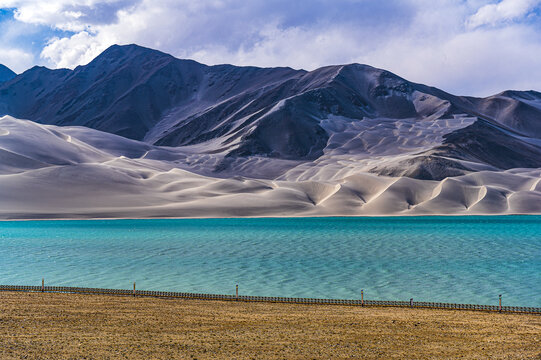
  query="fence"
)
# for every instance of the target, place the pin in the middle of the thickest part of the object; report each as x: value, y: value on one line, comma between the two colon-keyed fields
x: 273, y: 299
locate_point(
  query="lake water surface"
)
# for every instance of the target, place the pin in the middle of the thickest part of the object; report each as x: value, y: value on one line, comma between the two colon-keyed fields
x: 446, y: 259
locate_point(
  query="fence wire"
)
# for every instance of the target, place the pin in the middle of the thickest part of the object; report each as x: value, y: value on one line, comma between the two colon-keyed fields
x: 274, y: 299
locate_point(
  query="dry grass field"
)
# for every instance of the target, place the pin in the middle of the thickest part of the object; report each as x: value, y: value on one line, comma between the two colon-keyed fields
x: 67, y: 326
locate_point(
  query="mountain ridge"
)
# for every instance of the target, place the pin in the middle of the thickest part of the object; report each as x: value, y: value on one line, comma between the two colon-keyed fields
x: 138, y: 133
x: 236, y: 114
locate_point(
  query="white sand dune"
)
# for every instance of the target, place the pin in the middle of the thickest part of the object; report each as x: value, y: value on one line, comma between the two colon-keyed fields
x: 53, y: 172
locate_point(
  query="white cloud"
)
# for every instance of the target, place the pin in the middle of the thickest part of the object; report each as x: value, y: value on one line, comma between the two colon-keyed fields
x: 80, y: 48
x: 297, y: 47
x: 13, y: 54
x: 230, y: 31
x: 483, y: 62
x: 16, y: 59
x: 505, y: 10
x: 69, y: 15
x: 445, y: 43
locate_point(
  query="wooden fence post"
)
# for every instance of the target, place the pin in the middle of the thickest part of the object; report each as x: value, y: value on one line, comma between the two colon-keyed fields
x: 42, y: 284
x: 500, y: 306
x: 134, y: 289
x: 237, y: 291
x: 411, y: 302
x: 362, y: 298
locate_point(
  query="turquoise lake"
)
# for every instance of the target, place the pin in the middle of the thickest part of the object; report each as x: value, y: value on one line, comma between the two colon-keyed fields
x: 446, y: 259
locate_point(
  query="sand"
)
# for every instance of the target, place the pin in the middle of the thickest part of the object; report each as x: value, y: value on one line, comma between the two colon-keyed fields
x: 73, y: 172
x: 67, y: 326
x: 76, y: 173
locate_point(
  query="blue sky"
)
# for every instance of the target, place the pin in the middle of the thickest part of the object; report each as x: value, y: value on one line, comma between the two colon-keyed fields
x: 472, y: 47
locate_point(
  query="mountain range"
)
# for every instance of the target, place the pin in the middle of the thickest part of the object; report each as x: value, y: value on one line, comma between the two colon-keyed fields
x: 339, y: 140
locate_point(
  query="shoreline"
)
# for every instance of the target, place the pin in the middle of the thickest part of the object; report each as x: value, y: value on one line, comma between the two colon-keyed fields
x: 270, y: 217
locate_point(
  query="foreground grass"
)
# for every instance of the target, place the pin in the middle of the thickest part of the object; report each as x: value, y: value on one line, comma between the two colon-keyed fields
x: 64, y: 326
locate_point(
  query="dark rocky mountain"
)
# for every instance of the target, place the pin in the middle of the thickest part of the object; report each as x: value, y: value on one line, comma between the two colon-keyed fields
x: 126, y: 90
x: 283, y: 114
x: 6, y: 73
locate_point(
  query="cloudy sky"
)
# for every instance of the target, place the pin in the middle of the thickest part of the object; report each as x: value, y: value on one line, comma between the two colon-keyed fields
x: 470, y: 47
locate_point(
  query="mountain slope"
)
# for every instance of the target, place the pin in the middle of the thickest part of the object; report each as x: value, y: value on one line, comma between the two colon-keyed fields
x: 6, y: 73
x: 280, y: 123
x: 125, y: 90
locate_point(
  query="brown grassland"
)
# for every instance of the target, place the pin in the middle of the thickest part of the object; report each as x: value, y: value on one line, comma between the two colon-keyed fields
x: 67, y: 326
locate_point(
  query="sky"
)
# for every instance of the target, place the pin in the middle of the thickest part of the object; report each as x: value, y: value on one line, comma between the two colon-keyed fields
x: 466, y: 47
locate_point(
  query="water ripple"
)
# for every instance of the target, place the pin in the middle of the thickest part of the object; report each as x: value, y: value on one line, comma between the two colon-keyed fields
x: 448, y: 259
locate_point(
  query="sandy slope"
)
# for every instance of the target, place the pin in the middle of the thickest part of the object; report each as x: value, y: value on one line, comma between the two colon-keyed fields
x: 66, y: 172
